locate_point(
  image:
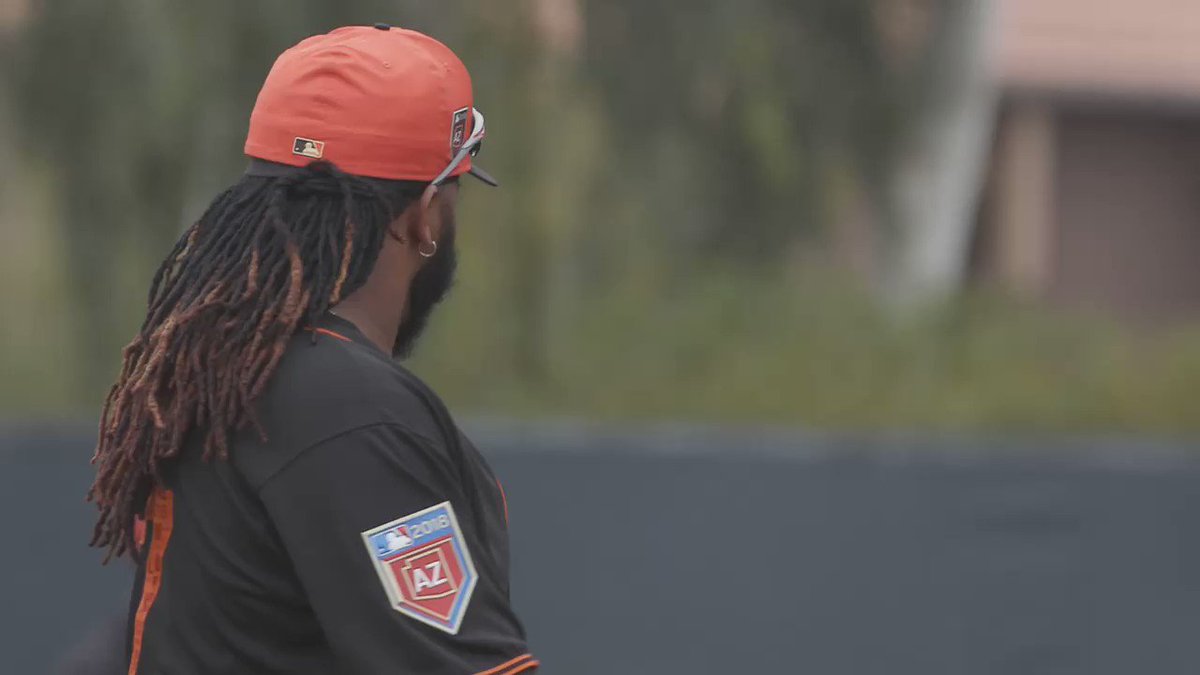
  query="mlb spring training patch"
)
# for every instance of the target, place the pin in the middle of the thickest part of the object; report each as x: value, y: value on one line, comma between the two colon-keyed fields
x: 424, y: 565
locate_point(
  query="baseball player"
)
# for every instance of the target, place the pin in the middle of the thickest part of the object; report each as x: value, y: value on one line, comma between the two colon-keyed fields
x: 296, y: 500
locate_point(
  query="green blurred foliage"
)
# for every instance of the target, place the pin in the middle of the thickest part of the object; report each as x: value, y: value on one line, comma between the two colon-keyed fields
x: 671, y: 171
x: 814, y: 348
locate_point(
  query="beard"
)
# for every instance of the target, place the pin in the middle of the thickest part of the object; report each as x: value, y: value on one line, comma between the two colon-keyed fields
x: 429, y: 286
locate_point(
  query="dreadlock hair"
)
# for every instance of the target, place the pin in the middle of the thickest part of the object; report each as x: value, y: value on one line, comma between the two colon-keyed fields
x: 269, y: 256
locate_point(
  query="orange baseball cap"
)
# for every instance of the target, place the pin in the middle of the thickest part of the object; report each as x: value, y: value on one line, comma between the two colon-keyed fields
x: 377, y: 101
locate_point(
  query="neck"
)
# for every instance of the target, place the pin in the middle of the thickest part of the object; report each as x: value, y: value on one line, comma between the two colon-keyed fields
x: 380, y: 327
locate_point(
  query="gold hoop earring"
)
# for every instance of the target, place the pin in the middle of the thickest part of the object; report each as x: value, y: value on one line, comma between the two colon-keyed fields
x: 431, y: 253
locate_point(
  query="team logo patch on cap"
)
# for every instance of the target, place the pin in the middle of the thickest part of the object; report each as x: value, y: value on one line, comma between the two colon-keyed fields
x: 458, y: 130
x: 308, y: 147
x: 424, y: 566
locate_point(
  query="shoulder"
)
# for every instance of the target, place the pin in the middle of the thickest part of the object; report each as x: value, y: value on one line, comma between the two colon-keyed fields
x: 325, y: 387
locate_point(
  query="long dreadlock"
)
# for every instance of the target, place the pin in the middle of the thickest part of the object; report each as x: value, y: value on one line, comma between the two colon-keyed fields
x: 269, y: 256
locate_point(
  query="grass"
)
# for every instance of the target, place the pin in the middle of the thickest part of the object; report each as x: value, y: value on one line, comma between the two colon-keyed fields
x: 732, y: 349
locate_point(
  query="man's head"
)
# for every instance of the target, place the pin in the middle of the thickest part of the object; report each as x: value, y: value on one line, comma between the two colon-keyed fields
x: 356, y: 142
x: 391, y: 105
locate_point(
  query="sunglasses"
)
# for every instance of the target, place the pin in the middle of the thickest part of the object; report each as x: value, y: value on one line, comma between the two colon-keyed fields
x: 469, y: 148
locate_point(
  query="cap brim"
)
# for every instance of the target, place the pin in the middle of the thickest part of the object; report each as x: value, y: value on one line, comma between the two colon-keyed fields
x: 482, y: 175
x: 268, y: 169
x: 262, y: 167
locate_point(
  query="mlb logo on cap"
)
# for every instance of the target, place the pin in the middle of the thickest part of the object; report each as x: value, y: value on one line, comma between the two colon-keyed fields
x: 308, y: 147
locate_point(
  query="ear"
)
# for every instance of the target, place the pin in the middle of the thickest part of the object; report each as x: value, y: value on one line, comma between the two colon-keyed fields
x: 427, y: 231
x: 425, y: 228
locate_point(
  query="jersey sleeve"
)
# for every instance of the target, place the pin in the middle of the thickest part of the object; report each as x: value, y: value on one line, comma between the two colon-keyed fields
x: 383, y: 542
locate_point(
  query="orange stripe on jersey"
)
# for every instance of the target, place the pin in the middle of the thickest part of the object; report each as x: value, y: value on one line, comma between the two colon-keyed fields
x: 326, y: 331
x: 525, y: 667
x: 161, y: 513
x: 520, y: 664
x: 503, y: 498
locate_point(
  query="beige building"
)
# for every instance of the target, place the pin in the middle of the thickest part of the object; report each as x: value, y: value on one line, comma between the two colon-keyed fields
x: 1092, y: 191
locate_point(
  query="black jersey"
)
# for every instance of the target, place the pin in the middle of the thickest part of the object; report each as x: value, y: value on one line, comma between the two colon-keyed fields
x: 365, y: 535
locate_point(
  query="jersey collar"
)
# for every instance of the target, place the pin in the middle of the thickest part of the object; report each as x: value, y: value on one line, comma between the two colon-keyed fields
x: 334, y: 326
